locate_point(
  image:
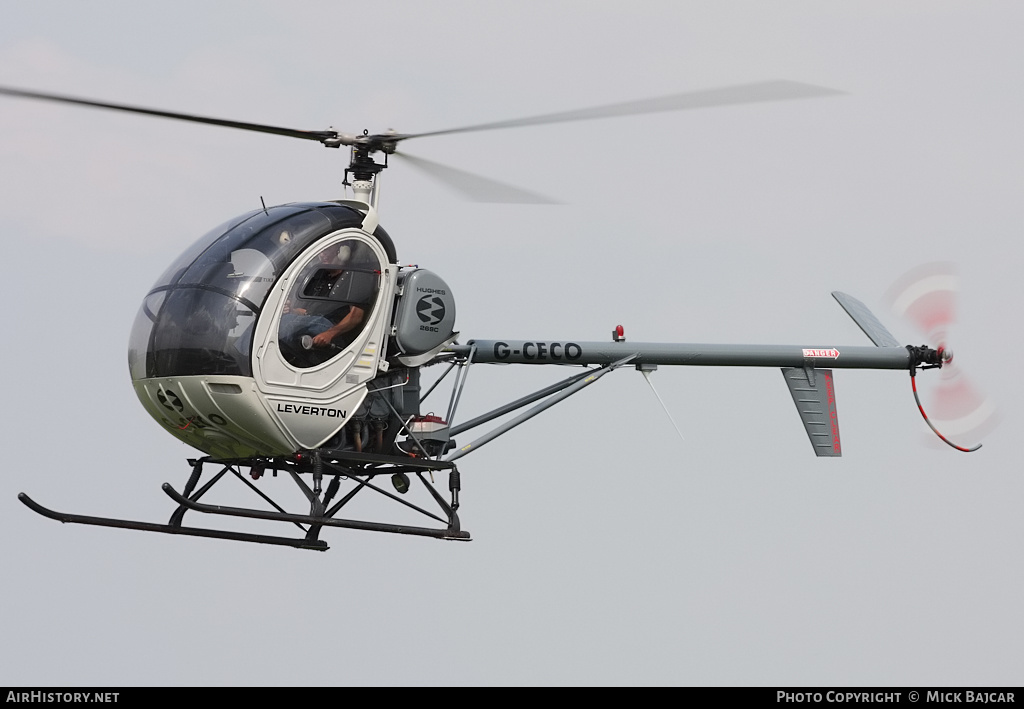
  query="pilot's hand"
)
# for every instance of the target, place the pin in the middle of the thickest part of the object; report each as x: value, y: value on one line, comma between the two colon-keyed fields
x: 322, y: 340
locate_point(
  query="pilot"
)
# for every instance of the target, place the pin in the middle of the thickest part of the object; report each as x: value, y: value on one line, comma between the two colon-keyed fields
x: 334, y: 287
x: 332, y: 301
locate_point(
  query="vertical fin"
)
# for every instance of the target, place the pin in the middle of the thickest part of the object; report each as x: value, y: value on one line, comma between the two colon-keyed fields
x: 866, y: 320
x: 815, y: 397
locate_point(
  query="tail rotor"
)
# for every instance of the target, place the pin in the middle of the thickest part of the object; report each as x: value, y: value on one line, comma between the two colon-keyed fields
x: 927, y: 296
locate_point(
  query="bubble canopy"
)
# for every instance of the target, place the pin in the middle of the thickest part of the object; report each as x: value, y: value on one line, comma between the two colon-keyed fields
x: 199, y: 317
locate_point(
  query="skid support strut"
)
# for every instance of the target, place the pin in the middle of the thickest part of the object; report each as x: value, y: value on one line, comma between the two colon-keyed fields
x: 359, y: 470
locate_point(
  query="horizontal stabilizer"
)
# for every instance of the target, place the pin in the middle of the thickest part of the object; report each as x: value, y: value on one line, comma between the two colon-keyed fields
x: 815, y: 397
x: 866, y: 320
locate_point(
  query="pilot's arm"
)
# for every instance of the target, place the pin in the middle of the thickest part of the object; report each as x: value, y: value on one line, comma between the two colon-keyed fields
x: 353, y: 318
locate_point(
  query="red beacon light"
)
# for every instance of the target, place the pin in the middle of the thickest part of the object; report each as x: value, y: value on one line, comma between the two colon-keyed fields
x: 618, y: 334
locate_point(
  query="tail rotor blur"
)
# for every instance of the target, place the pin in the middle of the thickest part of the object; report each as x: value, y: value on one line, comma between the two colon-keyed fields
x: 927, y: 296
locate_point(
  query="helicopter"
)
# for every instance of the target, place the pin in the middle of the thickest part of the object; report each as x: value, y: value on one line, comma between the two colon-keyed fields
x: 291, y: 340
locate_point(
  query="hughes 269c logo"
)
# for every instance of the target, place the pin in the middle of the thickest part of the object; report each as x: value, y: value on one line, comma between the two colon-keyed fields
x: 430, y: 310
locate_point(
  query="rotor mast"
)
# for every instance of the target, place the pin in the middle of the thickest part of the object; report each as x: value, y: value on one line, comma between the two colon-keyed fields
x: 362, y: 171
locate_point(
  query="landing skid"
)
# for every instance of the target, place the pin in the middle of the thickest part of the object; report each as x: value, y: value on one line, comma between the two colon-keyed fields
x: 359, y: 469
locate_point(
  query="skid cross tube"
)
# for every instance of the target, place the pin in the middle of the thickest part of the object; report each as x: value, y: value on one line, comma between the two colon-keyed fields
x: 368, y: 485
x: 193, y: 480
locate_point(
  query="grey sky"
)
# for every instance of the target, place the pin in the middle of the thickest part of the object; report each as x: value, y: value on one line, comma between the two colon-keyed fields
x: 605, y: 550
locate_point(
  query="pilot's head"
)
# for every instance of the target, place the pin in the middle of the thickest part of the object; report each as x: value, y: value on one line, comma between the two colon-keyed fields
x: 336, y: 255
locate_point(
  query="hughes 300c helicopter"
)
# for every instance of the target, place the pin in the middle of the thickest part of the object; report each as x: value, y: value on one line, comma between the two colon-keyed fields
x: 290, y: 340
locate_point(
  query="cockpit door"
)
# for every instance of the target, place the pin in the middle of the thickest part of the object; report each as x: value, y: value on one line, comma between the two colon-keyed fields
x: 322, y: 334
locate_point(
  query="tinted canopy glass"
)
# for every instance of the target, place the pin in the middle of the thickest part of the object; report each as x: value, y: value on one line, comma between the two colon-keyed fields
x: 329, y: 303
x: 200, y: 315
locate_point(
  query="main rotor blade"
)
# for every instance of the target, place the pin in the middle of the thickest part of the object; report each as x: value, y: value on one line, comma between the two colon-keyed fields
x: 475, y: 187
x: 258, y: 127
x: 724, y: 96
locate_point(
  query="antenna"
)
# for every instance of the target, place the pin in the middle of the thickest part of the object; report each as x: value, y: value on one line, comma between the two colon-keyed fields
x: 646, y: 369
